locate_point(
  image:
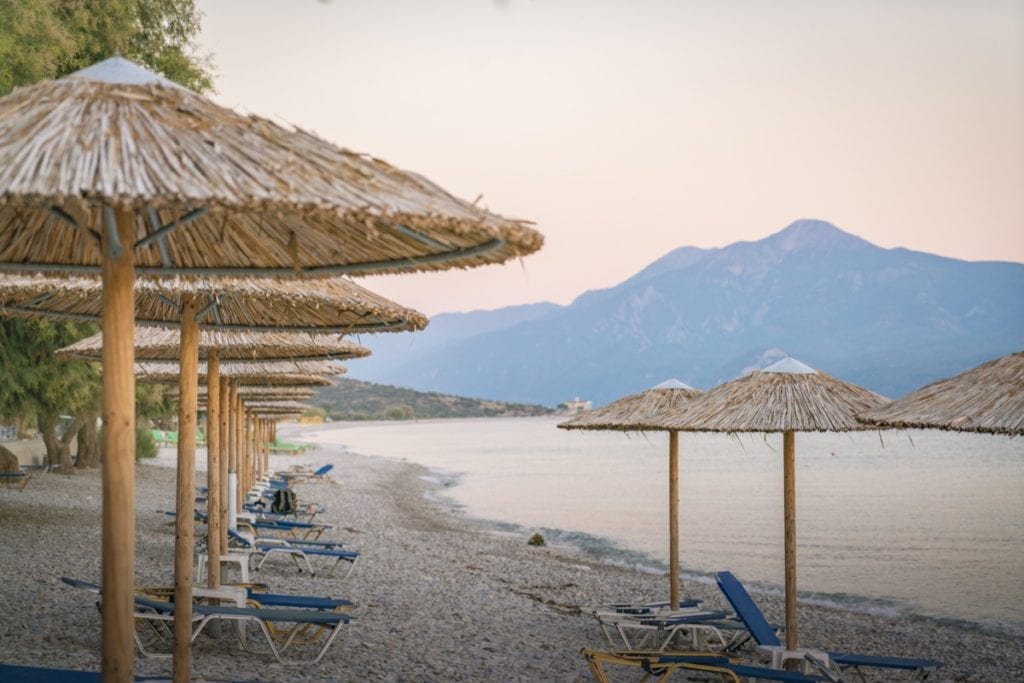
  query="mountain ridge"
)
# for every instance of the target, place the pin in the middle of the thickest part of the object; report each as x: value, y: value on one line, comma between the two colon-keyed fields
x: 889, y: 319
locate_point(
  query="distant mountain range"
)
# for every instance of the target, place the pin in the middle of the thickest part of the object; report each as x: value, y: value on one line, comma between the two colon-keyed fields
x: 891, y: 320
x: 351, y: 399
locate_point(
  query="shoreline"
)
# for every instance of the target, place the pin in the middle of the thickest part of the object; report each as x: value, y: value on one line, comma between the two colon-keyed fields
x: 438, y: 596
x: 608, y: 551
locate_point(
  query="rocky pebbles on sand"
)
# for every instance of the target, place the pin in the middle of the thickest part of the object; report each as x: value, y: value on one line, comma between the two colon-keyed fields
x: 439, y: 597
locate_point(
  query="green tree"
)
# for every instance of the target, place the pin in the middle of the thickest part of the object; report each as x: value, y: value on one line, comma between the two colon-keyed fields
x: 35, y: 383
x: 42, y: 39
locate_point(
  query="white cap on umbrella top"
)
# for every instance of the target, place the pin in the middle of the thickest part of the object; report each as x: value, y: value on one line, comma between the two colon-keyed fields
x: 790, y: 366
x: 672, y: 384
x: 121, y: 70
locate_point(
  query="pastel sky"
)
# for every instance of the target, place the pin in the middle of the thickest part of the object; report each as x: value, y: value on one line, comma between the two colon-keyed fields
x: 626, y: 129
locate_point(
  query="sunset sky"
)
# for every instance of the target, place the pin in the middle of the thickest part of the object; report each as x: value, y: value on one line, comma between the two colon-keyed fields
x: 627, y: 129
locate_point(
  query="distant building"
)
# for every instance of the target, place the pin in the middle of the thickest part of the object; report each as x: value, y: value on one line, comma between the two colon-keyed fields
x: 577, y: 406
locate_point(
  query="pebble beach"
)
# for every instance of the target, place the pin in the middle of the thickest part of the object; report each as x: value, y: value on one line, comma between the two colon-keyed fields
x: 439, y: 597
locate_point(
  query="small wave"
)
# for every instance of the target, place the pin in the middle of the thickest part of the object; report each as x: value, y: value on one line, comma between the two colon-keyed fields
x: 606, y: 551
x: 443, y: 478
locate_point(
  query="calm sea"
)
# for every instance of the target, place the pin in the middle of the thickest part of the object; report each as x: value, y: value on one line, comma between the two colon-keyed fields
x: 924, y: 523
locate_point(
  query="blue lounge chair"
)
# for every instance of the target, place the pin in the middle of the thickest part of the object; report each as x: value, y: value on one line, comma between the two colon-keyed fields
x: 280, y: 639
x: 299, y: 551
x: 39, y: 674
x: 637, y: 625
x: 767, y: 640
x: 662, y: 665
x: 319, y: 473
x: 287, y: 624
x: 14, y: 480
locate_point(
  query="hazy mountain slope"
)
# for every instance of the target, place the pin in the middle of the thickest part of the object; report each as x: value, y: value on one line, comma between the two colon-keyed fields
x: 890, y: 319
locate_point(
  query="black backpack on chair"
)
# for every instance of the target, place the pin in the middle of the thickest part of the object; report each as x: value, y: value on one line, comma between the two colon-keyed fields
x: 284, y: 502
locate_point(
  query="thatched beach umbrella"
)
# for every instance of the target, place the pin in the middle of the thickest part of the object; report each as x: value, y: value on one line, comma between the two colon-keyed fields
x: 115, y: 169
x: 256, y: 393
x: 245, y: 374
x: 627, y: 415
x: 158, y: 343
x: 330, y: 305
x: 230, y: 303
x: 786, y: 397
x: 988, y: 399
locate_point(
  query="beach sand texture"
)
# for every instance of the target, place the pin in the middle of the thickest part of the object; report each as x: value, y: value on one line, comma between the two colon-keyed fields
x: 438, y: 597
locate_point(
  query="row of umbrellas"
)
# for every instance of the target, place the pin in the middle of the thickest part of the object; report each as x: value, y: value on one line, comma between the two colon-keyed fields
x: 788, y: 397
x: 114, y: 172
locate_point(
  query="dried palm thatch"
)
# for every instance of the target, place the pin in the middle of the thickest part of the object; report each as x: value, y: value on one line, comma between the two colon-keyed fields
x: 267, y: 407
x: 249, y: 393
x: 279, y: 411
x: 245, y: 378
x: 276, y: 373
x: 213, y: 191
x: 632, y: 412
x: 157, y: 343
x: 786, y: 397
x: 774, y: 401
x: 229, y: 304
x: 987, y: 399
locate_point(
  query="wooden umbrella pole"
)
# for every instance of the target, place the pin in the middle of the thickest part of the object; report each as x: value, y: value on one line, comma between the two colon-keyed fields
x: 118, y: 447
x: 243, y: 461
x: 232, y: 498
x: 253, y: 456
x: 673, y: 518
x: 243, y: 453
x: 236, y: 459
x: 223, y: 458
x: 257, y: 449
x: 789, y: 503
x: 262, y: 450
x: 184, y: 521
x: 213, y: 531
x: 266, y: 446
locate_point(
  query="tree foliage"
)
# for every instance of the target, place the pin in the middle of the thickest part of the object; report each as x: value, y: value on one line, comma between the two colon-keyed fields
x: 41, y: 39
x: 45, y: 39
x: 36, y: 384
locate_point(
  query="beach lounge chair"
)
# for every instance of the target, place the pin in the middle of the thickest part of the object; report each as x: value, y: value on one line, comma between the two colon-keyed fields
x: 701, y: 629
x: 283, y: 628
x: 289, y: 529
x: 39, y: 674
x: 300, y: 553
x: 293, y: 622
x: 14, y: 480
x: 643, y: 625
x: 319, y: 473
x: 768, y: 641
x: 663, y: 664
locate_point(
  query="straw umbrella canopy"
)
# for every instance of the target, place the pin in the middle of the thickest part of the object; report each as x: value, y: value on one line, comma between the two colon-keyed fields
x: 247, y: 374
x: 157, y: 344
x: 627, y: 414
x: 114, y: 168
x: 211, y: 191
x: 334, y: 304
x: 279, y: 407
x: 331, y: 305
x: 786, y: 397
x: 988, y: 399
x: 255, y: 393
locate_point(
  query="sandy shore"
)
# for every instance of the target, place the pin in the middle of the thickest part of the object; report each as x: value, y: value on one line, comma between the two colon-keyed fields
x: 438, y: 597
